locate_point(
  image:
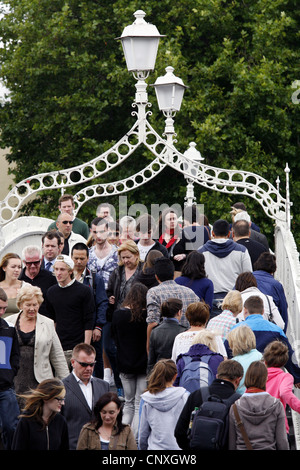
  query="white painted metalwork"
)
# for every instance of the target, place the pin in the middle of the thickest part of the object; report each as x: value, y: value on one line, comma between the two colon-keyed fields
x: 230, y: 181
x: 288, y: 273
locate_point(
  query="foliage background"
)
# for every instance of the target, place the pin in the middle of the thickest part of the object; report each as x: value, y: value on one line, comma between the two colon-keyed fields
x: 71, y: 94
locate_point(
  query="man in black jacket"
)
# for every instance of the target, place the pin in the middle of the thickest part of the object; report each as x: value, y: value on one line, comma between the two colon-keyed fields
x: 229, y: 375
x: 9, y: 365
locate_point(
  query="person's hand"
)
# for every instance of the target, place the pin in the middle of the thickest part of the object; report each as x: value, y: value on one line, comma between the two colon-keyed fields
x: 111, y: 299
x: 179, y: 257
x: 297, y: 385
x: 96, y: 334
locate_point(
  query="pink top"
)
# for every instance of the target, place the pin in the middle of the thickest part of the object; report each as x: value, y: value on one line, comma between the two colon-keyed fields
x: 280, y: 385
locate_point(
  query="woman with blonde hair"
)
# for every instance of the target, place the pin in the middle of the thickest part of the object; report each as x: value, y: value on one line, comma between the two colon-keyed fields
x: 242, y: 343
x: 121, y: 279
x: 119, y: 284
x: 40, y: 347
x: 41, y: 426
x: 161, y: 406
x: 232, y: 305
x: 10, y: 270
x: 203, y: 349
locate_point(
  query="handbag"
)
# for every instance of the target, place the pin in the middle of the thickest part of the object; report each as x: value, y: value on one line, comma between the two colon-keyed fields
x: 240, y: 425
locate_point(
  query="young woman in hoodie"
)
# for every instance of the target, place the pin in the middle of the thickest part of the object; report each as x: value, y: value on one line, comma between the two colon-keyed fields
x: 280, y: 383
x: 161, y: 406
x: 262, y: 415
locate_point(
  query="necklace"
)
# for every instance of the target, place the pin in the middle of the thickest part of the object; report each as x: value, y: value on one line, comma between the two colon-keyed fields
x: 104, y: 435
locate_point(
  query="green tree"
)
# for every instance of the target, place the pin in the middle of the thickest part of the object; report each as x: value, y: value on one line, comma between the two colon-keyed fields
x: 71, y: 93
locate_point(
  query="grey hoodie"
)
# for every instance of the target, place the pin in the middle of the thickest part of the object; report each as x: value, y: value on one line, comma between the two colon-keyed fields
x: 264, y: 421
x: 159, y: 415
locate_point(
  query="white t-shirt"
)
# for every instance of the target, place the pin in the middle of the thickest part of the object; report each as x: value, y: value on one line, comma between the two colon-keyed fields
x: 183, y: 342
x: 144, y: 250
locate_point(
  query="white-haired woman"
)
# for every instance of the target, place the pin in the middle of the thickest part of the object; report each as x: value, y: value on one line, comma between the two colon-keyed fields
x: 41, y: 353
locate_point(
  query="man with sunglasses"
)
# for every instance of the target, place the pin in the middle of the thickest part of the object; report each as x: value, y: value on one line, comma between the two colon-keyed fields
x: 66, y: 205
x: 34, y: 274
x: 83, y: 390
x: 64, y: 224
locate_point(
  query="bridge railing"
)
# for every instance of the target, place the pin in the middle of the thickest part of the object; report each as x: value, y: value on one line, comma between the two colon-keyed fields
x: 288, y: 273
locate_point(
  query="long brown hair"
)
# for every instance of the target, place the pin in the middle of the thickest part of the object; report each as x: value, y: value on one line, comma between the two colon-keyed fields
x: 162, y: 374
x: 4, y: 263
x: 136, y: 301
x: 35, y: 398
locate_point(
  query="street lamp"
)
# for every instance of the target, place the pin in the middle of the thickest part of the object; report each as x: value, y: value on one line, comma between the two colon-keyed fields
x: 169, y: 91
x: 140, y: 44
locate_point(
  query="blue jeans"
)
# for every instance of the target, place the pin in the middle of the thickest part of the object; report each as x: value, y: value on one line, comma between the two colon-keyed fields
x: 110, y: 349
x: 9, y: 412
x: 134, y: 386
x: 98, y: 369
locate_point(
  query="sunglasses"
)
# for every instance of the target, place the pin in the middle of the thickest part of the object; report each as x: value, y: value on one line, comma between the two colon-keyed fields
x: 60, y: 400
x: 86, y: 364
x: 35, y: 263
x: 65, y: 222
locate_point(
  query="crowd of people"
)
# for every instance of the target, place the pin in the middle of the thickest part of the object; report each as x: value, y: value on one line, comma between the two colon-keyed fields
x: 115, y: 336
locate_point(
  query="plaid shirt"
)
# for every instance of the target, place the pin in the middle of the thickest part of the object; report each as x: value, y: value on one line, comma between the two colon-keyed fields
x: 158, y: 294
x: 222, y: 323
x: 110, y: 263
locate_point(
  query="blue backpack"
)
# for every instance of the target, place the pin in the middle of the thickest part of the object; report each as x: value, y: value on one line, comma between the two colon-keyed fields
x: 196, y: 374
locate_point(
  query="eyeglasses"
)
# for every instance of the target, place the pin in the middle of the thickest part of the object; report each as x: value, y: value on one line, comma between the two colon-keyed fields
x: 60, y: 400
x: 35, y: 263
x: 65, y: 222
x: 86, y: 364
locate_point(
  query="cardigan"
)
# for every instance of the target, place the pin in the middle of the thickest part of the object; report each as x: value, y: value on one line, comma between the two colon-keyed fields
x: 48, y: 352
x: 89, y: 439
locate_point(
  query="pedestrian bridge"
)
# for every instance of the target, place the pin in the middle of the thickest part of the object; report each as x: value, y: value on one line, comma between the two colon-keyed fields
x: 190, y: 164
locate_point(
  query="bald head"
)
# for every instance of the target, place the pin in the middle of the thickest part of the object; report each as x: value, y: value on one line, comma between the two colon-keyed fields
x: 64, y: 223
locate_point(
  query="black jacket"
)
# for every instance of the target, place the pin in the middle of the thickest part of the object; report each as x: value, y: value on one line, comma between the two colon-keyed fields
x: 162, y: 339
x: 10, y: 355
x: 222, y: 388
x: 30, y: 435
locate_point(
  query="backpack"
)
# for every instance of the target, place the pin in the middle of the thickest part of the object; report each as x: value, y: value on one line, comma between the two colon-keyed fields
x: 209, y: 430
x: 196, y: 374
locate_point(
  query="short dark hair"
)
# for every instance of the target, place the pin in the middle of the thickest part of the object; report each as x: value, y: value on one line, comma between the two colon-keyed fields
x: 80, y: 246
x: 239, y: 205
x: 245, y: 280
x: 145, y: 223
x: 51, y: 234
x: 85, y: 347
x: 254, y: 304
x: 66, y: 197
x: 241, y: 228
x: 230, y: 370
x: 266, y: 262
x: 97, y: 220
x: 221, y: 228
x: 197, y: 313
x: 164, y: 269
x: 170, y: 307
